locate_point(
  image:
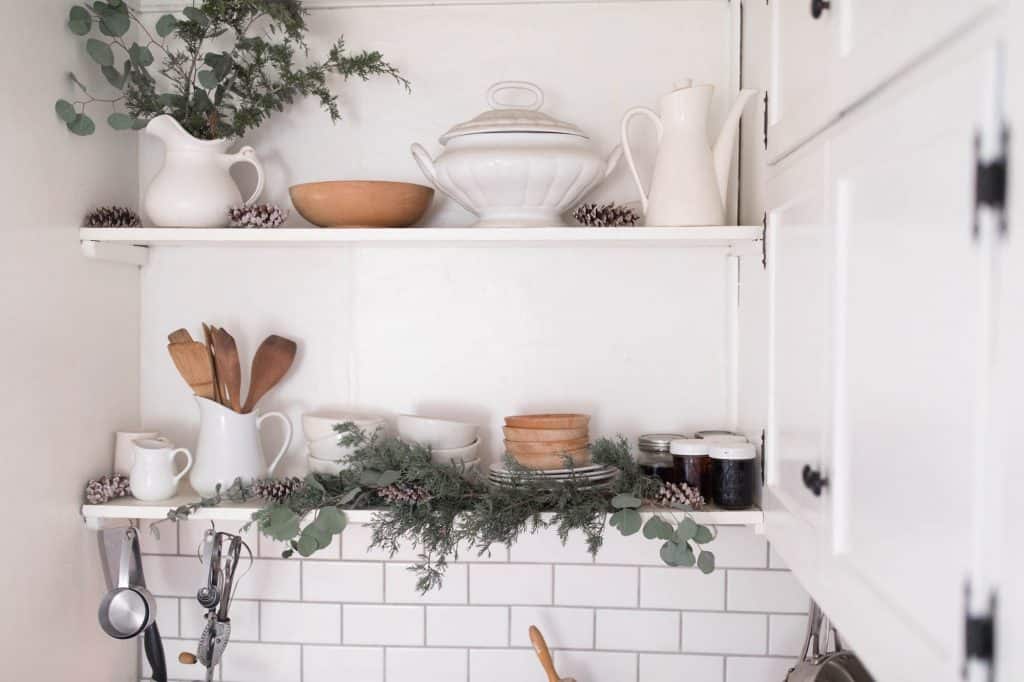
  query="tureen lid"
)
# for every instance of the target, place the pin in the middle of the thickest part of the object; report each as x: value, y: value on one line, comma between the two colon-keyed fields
x: 512, y: 118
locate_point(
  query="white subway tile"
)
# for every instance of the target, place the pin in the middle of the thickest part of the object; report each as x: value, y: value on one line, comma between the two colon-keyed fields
x: 355, y: 545
x: 504, y: 665
x: 725, y: 633
x: 419, y: 665
x: 629, y: 550
x: 400, y: 585
x: 637, y: 630
x: 681, y: 588
x: 478, y: 626
x: 775, y: 591
x: 245, y: 620
x: 750, y: 669
x: 190, y: 535
x: 272, y: 549
x: 349, y: 663
x: 545, y: 547
x: 688, y: 667
x: 163, y: 541
x: 470, y: 553
x: 596, y: 585
x: 774, y: 560
x: 174, y: 576
x: 595, y: 666
x: 383, y: 625
x: 270, y: 579
x: 255, y: 662
x: 509, y: 584
x: 167, y: 616
x: 302, y: 623
x: 342, y: 581
x: 567, y: 628
x: 786, y: 634
x: 739, y: 547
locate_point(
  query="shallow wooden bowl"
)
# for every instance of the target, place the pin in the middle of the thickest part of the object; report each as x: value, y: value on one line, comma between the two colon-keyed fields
x: 547, y: 462
x: 361, y: 203
x: 548, y: 421
x: 552, y: 448
x: 543, y: 435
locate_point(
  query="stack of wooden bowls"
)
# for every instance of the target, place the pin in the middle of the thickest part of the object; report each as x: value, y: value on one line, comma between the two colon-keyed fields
x: 543, y: 441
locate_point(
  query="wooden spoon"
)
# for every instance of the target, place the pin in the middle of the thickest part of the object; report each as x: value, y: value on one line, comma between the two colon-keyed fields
x: 271, y: 362
x: 208, y: 335
x: 541, y: 647
x: 180, y: 336
x: 193, y: 363
x: 229, y: 370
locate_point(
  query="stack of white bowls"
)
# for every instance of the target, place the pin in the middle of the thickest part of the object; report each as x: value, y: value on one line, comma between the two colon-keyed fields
x: 324, y: 453
x: 449, y: 441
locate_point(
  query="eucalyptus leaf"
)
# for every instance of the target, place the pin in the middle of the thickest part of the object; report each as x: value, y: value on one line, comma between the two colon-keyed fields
x: 320, y: 534
x: 686, y: 530
x: 312, y: 483
x: 119, y: 121
x: 140, y: 55
x: 79, y: 20
x: 626, y: 501
x: 703, y: 535
x: 676, y: 554
x: 332, y: 519
x: 165, y: 25
x: 350, y: 496
x: 80, y: 84
x: 369, y: 478
x: 220, y: 63
x: 65, y: 110
x: 628, y: 521
x: 281, y: 523
x: 82, y: 125
x: 706, y: 562
x: 207, y: 79
x: 139, y: 123
x: 388, y: 477
x: 100, y: 52
x: 305, y: 545
x: 658, y: 528
x: 114, y: 23
x: 113, y: 76
x: 196, y: 15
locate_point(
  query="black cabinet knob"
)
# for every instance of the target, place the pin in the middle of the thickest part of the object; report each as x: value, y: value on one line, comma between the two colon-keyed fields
x: 814, y: 481
x: 819, y: 6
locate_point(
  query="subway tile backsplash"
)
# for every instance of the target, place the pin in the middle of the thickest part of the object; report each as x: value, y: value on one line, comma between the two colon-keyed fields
x: 355, y: 615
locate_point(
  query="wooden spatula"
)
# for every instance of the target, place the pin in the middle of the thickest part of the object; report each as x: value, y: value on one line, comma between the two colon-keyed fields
x: 541, y: 647
x: 193, y: 363
x: 229, y: 370
x: 271, y: 362
x: 208, y: 336
x: 180, y: 336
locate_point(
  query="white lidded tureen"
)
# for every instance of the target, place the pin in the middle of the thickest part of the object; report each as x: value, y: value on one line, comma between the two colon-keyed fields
x: 514, y: 166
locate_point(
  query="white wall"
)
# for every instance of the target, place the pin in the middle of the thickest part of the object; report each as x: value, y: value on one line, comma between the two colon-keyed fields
x: 70, y: 344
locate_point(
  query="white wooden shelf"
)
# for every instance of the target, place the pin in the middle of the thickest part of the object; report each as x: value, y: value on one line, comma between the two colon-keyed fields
x: 122, y: 510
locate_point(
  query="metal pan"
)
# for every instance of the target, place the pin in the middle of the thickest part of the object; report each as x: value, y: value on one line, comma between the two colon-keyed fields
x: 127, y: 610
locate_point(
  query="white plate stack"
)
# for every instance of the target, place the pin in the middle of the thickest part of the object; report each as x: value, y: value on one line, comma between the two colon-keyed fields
x: 589, y: 476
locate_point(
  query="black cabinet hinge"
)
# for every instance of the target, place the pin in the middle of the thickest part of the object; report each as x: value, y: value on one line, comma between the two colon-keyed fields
x: 990, y: 179
x: 766, y: 120
x: 764, y: 461
x: 979, y: 635
x: 764, y: 241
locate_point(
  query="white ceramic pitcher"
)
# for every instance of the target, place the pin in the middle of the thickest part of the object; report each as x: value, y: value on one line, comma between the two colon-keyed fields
x: 152, y: 476
x: 229, y: 447
x: 194, y: 187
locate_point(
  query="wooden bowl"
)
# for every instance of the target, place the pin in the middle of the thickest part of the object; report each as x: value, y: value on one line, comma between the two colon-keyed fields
x: 361, y: 203
x: 548, y: 421
x: 543, y: 435
x: 547, y: 462
x: 552, y: 448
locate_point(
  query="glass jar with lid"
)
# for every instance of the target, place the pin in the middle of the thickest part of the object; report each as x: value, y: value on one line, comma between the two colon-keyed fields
x: 655, y: 458
x: 733, y: 474
x: 692, y: 464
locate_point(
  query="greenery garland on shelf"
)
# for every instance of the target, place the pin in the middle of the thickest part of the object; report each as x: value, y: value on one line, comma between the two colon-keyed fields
x: 444, y: 510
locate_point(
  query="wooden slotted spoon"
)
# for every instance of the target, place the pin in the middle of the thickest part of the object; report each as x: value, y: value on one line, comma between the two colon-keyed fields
x: 229, y: 370
x: 541, y: 647
x: 272, y: 360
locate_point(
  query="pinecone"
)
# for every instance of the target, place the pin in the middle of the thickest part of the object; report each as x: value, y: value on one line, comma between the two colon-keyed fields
x: 606, y: 215
x: 106, y: 488
x: 275, y: 489
x: 259, y: 215
x: 678, y: 493
x: 404, y: 493
x: 112, y: 216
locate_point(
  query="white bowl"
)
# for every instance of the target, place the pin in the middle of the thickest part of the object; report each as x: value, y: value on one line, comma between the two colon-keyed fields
x: 464, y: 454
x: 328, y: 448
x: 317, y: 426
x: 327, y: 467
x: 439, y: 434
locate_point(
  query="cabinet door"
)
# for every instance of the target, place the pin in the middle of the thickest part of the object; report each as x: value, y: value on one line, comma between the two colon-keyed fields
x: 797, y: 89
x: 911, y: 285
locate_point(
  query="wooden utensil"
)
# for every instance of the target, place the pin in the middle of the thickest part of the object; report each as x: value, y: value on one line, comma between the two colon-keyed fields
x: 541, y: 647
x: 180, y: 336
x: 548, y: 421
x: 229, y: 370
x: 543, y: 435
x: 208, y: 336
x: 193, y: 363
x: 272, y: 360
x: 552, y: 448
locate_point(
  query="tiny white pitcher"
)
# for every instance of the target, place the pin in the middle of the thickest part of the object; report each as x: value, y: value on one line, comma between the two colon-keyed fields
x: 124, y: 448
x: 229, y: 447
x: 152, y: 477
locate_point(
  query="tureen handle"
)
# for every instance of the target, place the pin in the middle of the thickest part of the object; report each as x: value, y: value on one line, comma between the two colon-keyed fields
x: 424, y: 161
x: 538, y: 95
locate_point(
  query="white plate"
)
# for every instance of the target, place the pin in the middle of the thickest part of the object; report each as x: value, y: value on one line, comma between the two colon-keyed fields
x: 589, y: 468
x: 584, y: 479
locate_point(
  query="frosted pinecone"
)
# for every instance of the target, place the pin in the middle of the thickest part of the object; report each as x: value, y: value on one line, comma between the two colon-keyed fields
x: 606, y: 215
x: 679, y: 493
x: 404, y: 493
x: 275, y: 489
x: 260, y: 215
x: 112, y: 216
x: 106, y: 488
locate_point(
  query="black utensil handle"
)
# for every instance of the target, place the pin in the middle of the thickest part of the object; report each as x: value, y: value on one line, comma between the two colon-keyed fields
x: 819, y: 6
x: 813, y: 480
x: 154, y: 647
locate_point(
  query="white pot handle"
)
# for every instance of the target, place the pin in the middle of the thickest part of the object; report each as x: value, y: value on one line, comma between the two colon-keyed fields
x: 287, y: 437
x: 248, y: 155
x: 425, y: 163
x: 629, y: 152
x: 538, y: 95
x: 188, y: 463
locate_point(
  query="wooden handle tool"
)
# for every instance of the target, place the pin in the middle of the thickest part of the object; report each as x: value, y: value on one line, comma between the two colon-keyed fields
x: 272, y: 360
x: 180, y: 336
x: 193, y: 363
x: 229, y: 370
x: 541, y: 647
x: 208, y: 337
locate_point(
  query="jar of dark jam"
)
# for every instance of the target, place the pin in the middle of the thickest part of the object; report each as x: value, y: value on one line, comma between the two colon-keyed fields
x: 655, y: 458
x: 733, y: 474
x: 693, y: 464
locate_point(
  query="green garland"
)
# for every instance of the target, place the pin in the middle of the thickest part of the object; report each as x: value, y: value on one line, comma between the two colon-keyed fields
x: 443, y: 509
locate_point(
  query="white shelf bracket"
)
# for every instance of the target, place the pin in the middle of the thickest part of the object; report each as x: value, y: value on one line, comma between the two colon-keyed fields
x: 115, y: 252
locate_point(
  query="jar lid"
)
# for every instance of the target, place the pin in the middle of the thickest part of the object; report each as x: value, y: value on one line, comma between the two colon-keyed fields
x: 689, y: 446
x: 732, y: 451
x: 512, y: 118
x: 711, y: 433
x: 658, y: 442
